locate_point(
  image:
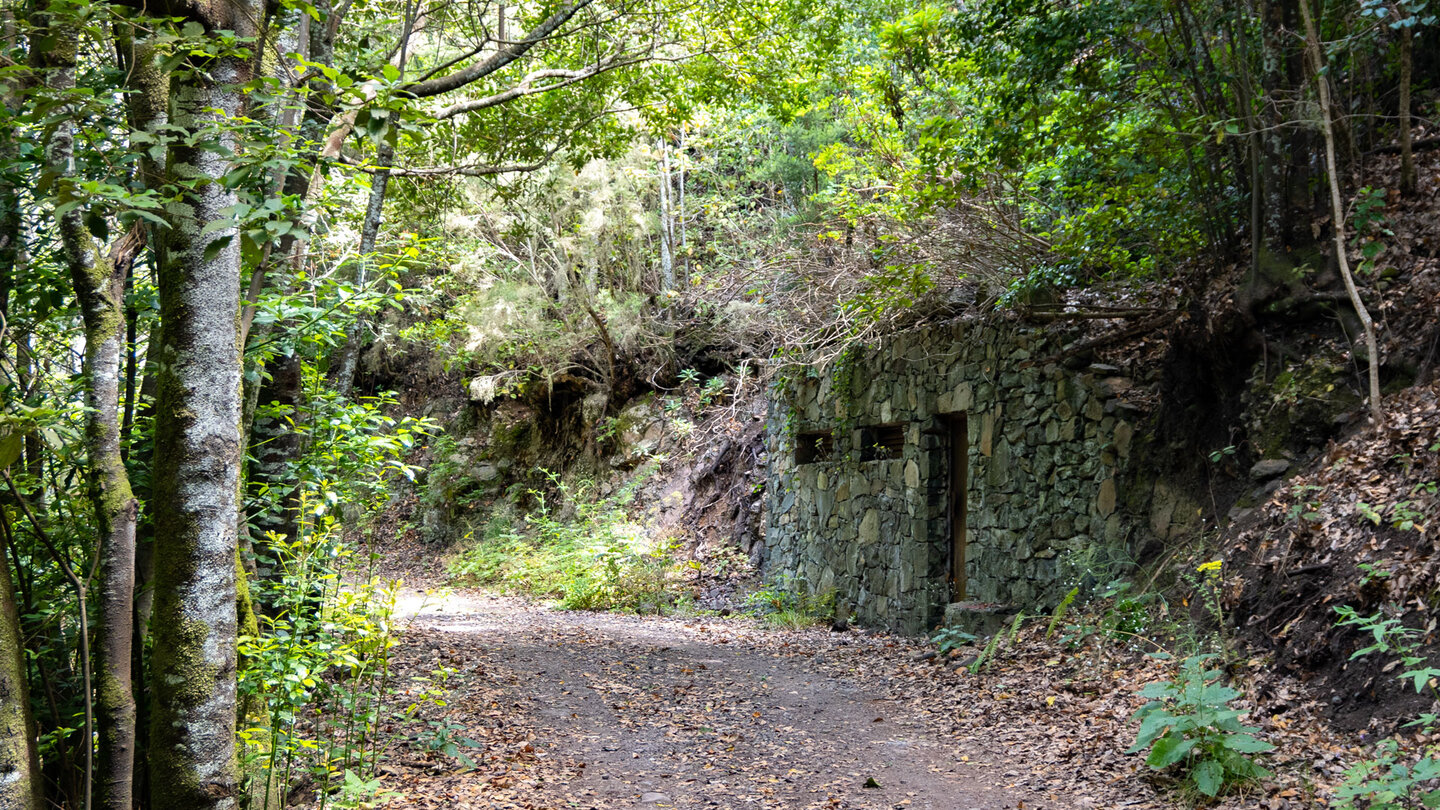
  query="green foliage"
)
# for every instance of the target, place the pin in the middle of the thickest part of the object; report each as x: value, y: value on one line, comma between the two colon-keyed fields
x: 1306, y: 506
x: 1059, y: 613
x: 314, y: 677
x: 987, y: 654
x: 447, y: 737
x: 1119, y: 615
x: 585, y: 552
x: 1190, y: 724
x: 997, y: 644
x: 790, y: 602
x: 353, y: 448
x: 1394, y: 779
x: 952, y: 638
x: 1389, y: 781
x: 1389, y: 634
x: 1401, y: 515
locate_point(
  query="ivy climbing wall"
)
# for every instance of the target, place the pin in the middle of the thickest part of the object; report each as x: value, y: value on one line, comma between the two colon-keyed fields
x: 860, y: 473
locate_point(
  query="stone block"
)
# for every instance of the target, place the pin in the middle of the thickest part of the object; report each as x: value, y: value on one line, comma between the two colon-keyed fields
x: 870, y: 527
x: 1105, y: 500
x: 1123, y: 436
x: 964, y: 397
x: 1266, y: 469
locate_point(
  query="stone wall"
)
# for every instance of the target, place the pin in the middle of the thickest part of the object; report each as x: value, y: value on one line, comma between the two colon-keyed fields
x: 1049, y: 454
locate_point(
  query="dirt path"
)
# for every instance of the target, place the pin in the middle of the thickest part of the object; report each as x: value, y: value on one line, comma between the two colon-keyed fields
x: 592, y: 710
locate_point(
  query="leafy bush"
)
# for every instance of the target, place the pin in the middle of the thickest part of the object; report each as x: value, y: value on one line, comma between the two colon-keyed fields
x: 314, y: 669
x: 1190, y: 723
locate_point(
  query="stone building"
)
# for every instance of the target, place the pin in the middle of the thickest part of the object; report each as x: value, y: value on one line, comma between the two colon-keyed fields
x: 970, y: 462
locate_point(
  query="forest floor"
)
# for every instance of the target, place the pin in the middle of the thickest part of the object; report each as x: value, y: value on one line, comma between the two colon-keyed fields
x: 499, y: 702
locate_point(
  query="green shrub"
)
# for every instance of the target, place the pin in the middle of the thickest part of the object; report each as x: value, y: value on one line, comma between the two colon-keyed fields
x: 1190, y: 724
x: 1387, y: 783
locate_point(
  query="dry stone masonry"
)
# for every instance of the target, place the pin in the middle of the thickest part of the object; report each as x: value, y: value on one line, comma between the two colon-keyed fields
x: 861, y: 457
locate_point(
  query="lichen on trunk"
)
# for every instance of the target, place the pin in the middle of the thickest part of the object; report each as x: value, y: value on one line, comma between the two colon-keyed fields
x: 19, y: 767
x: 198, y: 455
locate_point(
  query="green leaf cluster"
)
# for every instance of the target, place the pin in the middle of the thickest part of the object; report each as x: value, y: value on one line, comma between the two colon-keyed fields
x: 1190, y: 724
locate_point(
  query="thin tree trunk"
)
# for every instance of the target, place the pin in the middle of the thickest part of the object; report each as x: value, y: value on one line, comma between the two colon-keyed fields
x: 100, y: 291
x: 680, y: 219
x: 81, y: 589
x: 667, y: 261
x: 20, y: 783
x: 100, y: 288
x: 1337, y: 210
x: 344, y: 375
x: 198, y: 456
x: 1407, y: 159
x: 343, y: 378
x: 99, y: 284
x: 1275, y: 201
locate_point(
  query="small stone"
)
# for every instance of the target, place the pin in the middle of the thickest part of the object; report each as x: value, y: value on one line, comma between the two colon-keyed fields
x: 654, y: 798
x: 1269, y: 468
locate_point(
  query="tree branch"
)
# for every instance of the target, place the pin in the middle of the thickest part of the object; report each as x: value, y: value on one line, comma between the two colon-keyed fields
x: 501, y: 58
x: 526, y: 86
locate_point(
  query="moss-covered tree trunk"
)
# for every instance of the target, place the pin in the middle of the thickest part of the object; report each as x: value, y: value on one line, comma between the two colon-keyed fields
x: 99, y: 283
x: 19, y: 768
x: 146, y: 104
x: 100, y: 289
x: 197, y: 460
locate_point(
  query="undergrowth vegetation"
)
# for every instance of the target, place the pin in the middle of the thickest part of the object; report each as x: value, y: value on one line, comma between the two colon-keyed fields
x: 585, y: 552
x: 1191, y: 730
x: 594, y: 553
x: 790, y: 602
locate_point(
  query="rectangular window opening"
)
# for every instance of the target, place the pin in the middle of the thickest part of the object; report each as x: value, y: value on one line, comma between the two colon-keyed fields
x: 814, y: 445
x: 880, y: 442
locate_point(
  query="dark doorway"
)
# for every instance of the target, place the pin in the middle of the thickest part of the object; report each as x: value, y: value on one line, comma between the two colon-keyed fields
x: 956, y: 507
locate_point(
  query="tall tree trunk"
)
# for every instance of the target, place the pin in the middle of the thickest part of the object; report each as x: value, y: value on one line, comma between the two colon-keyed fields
x: 20, y: 784
x: 102, y: 299
x: 1407, y: 159
x: 1275, y: 200
x: 99, y: 283
x: 100, y: 288
x: 198, y: 453
x: 680, y: 219
x: 1337, y: 209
